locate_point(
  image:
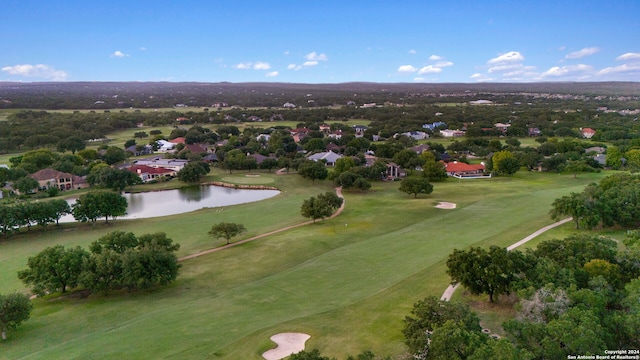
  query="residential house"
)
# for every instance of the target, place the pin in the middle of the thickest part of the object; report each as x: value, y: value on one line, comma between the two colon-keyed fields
x: 289, y: 105
x: 195, y: 148
x: 263, y: 137
x: 173, y: 164
x: 48, y: 178
x: 433, y: 126
x: 587, y: 133
x: 534, y: 131
x: 148, y: 173
x: 600, y: 159
x: 417, y: 135
x: 359, y: 129
x: 299, y: 134
x: 212, y: 157
x: 133, y: 150
x: 179, y: 140
x: 165, y: 146
x: 502, y: 127
x: 452, y: 133
x: 419, y: 149
x: 329, y: 157
x: 595, y: 149
x: 463, y: 170
x: 335, y: 135
x: 333, y: 147
x: 394, y: 171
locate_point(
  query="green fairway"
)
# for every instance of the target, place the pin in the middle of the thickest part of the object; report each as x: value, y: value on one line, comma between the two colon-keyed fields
x: 348, y: 282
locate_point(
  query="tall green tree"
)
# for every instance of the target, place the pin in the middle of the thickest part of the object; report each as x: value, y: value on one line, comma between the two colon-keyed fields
x: 226, y: 230
x: 321, y: 206
x: 313, y: 170
x: 14, y: 310
x: 193, y: 171
x: 116, y: 179
x: 54, y: 269
x: 490, y: 272
x: 415, y: 186
x: 430, y: 314
x: 97, y: 204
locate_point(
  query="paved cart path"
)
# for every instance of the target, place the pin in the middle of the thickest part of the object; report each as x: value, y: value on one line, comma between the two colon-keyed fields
x: 446, y: 296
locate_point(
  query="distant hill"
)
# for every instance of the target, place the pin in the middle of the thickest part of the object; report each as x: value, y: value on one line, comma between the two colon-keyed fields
x: 107, y: 95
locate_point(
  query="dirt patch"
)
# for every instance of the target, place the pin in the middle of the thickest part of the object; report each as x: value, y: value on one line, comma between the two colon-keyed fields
x: 288, y: 343
x: 445, y: 205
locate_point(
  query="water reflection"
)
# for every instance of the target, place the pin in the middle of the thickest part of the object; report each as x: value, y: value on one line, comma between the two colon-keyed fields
x: 178, y: 201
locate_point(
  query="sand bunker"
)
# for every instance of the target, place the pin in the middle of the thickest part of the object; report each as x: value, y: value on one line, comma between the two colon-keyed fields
x: 288, y: 343
x: 446, y: 205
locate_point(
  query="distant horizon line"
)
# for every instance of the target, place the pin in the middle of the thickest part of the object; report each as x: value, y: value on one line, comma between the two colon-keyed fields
x: 325, y: 83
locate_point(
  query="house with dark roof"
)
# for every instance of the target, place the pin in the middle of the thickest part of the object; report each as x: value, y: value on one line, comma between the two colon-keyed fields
x: 195, y: 148
x: 133, y: 150
x: 419, y: 149
x: 48, y: 178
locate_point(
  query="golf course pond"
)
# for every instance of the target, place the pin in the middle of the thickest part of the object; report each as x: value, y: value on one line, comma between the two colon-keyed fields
x: 171, y: 202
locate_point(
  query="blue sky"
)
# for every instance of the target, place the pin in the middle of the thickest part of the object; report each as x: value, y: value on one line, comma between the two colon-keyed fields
x: 320, y: 41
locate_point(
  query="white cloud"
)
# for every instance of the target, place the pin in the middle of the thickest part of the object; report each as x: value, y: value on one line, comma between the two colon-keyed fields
x: 412, y: 51
x: 504, y: 67
x: 407, y: 69
x: 429, y: 69
x: 272, y: 74
x: 582, y: 53
x: 435, y: 57
x: 510, y: 57
x: 243, y: 66
x: 628, y: 56
x: 143, y: 49
x: 620, y: 69
x: 287, y: 52
x: 119, y: 54
x: 419, y: 79
x: 443, y: 64
x: 564, y: 71
x: 480, y: 77
x: 38, y: 70
x: 313, y: 56
x: 261, y: 66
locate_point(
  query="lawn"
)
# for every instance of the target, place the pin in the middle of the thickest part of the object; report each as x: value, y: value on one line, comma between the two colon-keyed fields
x: 348, y: 282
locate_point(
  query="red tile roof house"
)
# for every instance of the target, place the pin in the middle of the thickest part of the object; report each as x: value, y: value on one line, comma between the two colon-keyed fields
x: 587, y: 133
x: 148, y: 173
x: 47, y: 178
x: 461, y: 170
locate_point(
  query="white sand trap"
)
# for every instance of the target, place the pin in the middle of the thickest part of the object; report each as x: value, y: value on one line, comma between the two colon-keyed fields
x: 446, y: 205
x: 288, y: 343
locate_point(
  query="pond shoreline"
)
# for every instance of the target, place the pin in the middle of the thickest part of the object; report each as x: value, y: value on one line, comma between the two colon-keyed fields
x: 212, y: 183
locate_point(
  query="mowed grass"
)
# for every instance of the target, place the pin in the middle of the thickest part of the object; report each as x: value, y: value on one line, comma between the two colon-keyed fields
x: 348, y: 282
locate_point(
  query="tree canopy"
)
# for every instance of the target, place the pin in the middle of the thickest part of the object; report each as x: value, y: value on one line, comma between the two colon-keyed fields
x: 14, y: 310
x: 226, y: 230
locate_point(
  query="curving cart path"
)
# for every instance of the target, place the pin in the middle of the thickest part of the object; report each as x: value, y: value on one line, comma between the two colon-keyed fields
x: 446, y: 296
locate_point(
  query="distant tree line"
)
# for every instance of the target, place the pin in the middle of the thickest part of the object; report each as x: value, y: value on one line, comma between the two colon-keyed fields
x: 88, y: 207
